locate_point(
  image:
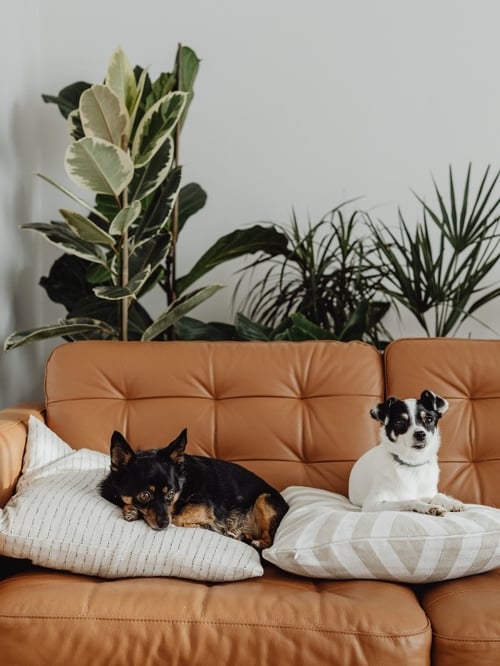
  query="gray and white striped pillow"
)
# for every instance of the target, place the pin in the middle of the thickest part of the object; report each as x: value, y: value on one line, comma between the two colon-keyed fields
x: 58, y: 519
x: 324, y: 536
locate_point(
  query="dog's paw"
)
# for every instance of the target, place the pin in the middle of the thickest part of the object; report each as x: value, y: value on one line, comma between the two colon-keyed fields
x: 454, y: 505
x: 261, y: 544
x: 448, y: 503
x: 130, y: 513
x: 436, y: 510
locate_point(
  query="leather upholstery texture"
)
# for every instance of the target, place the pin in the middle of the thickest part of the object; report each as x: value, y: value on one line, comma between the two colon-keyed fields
x: 465, y: 617
x: 58, y: 619
x: 12, y: 440
x: 297, y: 414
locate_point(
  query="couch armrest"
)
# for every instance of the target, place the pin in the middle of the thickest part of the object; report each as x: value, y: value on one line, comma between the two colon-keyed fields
x: 13, y: 432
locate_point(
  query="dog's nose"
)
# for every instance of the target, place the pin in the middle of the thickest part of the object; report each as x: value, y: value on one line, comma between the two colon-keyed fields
x: 162, y: 523
x: 420, y: 435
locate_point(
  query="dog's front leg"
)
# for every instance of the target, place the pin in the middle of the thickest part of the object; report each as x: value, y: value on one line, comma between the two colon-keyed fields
x: 416, y: 505
x: 130, y: 512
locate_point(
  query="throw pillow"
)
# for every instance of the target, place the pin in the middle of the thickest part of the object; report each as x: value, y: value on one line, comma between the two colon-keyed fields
x: 324, y: 536
x: 57, y: 519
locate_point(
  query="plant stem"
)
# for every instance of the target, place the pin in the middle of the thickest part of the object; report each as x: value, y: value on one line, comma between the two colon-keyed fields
x: 125, y: 301
x: 125, y: 275
x: 172, y: 292
x: 175, y: 225
x: 171, y: 264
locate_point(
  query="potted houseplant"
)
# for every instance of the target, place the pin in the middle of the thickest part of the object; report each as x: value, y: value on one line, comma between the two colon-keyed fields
x: 124, y: 136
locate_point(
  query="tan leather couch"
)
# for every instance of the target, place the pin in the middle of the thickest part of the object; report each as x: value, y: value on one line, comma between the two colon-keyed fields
x: 298, y: 414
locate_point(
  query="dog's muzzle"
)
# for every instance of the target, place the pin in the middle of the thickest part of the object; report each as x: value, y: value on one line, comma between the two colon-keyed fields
x: 419, y: 437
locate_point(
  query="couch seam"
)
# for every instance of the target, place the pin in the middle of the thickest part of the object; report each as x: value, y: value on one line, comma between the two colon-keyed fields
x: 473, y: 641
x: 420, y: 632
x: 11, y: 424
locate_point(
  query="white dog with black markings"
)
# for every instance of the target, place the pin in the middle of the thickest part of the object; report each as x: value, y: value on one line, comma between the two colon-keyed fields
x: 402, y: 473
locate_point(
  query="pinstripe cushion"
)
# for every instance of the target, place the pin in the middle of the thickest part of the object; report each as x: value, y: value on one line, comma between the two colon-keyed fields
x: 58, y: 519
x: 324, y: 536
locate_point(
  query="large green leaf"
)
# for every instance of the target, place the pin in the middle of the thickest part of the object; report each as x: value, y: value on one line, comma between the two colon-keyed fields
x: 99, y: 166
x: 67, y: 281
x: 156, y: 125
x: 117, y: 293
x: 142, y: 79
x: 246, y: 329
x: 151, y: 251
x: 63, y: 237
x: 187, y: 66
x: 66, y: 328
x: 234, y: 245
x: 148, y: 178
x: 178, y: 309
x: 357, y: 324
x: 120, y: 78
x: 160, y: 207
x: 125, y: 218
x: 192, y: 198
x: 304, y: 329
x: 68, y: 98
x: 104, y: 115
x: 188, y: 328
x: 75, y: 128
x: 70, y: 194
x: 164, y: 84
x: 86, y: 229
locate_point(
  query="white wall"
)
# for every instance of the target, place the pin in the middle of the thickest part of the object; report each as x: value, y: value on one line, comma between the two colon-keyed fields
x: 298, y: 104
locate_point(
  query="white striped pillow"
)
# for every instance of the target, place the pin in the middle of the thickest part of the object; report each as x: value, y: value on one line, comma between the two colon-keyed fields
x: 324, y: 536
x: 58, y: 519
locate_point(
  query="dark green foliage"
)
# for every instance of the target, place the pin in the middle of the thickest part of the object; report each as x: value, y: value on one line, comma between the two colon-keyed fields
x: 321, y: 285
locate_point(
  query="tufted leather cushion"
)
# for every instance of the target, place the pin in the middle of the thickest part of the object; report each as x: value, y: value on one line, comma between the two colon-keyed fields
x: 297, y: 413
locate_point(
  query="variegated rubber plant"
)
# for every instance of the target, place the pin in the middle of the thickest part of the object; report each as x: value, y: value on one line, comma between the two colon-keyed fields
x: 124, y: 145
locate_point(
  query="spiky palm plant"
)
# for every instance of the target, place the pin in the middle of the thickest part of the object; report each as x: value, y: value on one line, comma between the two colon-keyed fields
x: 440, y: 271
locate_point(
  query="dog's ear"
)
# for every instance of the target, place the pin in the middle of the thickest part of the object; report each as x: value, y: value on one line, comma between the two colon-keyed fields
x: 175, y: 450
x: 121, y: 452
x: 381, y: 411
x: 433, y: 402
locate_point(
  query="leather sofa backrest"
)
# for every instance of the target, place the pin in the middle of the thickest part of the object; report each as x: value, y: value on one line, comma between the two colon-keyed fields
x: 296, y: 413
x: 467, y: 374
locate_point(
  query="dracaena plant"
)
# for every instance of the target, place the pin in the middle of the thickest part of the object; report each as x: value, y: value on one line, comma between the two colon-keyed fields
x: 124, y: 136
x: 322, y: 287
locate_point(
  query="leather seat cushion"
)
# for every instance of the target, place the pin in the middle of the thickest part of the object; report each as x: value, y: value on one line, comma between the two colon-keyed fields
x: 275, y: 619
x: 465, y: 617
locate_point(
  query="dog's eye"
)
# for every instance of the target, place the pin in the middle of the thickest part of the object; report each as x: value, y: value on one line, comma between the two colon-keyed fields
x: 169, y: 495
x: 428, y: 420
x: 145, y: 496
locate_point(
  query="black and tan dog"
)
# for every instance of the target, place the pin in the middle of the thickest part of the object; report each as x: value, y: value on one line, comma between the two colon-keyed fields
x: 168, y: 486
